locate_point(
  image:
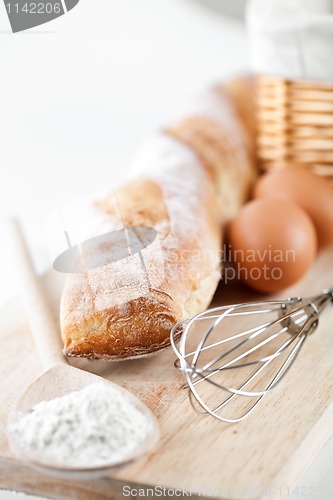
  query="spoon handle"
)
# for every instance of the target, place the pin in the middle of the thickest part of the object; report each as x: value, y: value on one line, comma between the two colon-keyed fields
x: 39, y: 315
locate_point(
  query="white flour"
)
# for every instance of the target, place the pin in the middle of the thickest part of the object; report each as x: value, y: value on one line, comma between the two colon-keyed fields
x: 84, y: 428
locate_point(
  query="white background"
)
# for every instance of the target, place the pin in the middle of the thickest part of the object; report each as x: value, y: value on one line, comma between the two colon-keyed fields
x: 78, y: 95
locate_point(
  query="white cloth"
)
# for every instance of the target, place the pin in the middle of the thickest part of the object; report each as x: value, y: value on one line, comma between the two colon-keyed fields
x: 291, y: 38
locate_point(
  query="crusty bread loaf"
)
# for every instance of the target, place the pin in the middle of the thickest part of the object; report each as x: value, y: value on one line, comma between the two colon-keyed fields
x: 188, y: 180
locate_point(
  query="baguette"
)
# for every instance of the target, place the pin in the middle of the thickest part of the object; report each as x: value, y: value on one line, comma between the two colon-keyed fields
x: 188, y: 180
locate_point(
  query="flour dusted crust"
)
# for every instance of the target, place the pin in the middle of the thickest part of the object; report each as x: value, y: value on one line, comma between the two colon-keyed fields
x: 187, y: 180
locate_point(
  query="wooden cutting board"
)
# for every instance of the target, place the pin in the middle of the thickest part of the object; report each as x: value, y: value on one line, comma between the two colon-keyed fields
x: 258, y: 458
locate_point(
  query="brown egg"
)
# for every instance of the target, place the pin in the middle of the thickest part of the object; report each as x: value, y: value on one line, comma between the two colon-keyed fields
x: 310, y: 191
x: 273, y: 243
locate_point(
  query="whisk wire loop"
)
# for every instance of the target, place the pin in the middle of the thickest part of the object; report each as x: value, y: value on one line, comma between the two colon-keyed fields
x: 258, y: 347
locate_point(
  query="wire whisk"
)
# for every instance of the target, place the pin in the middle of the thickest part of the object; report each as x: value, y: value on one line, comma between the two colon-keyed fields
x: 243, y: 360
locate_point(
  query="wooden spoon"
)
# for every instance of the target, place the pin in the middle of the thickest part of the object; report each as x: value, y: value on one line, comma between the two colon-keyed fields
x: 59, y: 377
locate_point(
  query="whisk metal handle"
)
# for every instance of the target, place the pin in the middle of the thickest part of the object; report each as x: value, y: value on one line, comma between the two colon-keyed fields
x: 322, y: 300
x: 328, y: 292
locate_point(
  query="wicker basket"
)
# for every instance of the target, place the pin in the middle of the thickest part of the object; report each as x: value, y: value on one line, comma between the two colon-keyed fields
x: 295, y: 125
